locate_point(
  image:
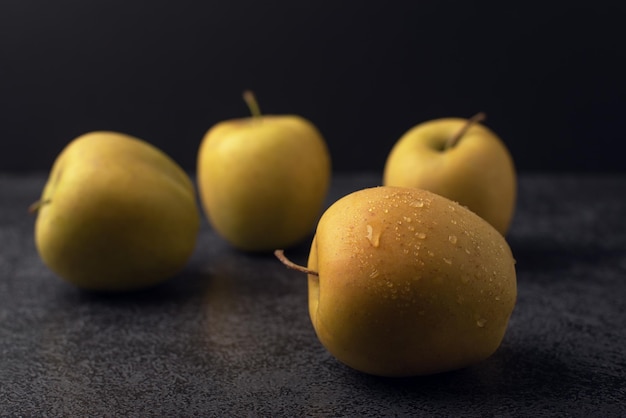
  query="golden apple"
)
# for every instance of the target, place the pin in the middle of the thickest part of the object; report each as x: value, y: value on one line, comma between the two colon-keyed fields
x: 263, y: 179
x: 116, y: 214
x: 460, y: 159
x: 405, y: 282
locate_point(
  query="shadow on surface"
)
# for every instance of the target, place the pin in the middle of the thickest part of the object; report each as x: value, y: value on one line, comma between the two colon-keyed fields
x: 537, y: 254
x: 531, y: 376
x: 186, y: 285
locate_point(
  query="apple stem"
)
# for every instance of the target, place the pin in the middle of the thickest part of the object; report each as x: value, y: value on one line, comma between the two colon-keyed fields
x: 280, y: 254
x: 253, y: 105
x: 452, y: 141
x: 37, y: 205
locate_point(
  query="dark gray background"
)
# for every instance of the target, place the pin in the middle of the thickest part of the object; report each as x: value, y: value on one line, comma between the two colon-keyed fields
x: 550, y: 76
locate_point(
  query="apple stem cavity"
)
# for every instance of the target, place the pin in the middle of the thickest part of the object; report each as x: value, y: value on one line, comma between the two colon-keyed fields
x: 477, y: 118
x: 37, y: 205
x: 280, y: 254
x: 253, y: 104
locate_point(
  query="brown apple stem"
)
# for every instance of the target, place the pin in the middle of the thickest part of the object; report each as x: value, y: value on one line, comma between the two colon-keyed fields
x: 253, y: 105
x: 37, y: 205
x: 452, y: 141
x: 280, y: 254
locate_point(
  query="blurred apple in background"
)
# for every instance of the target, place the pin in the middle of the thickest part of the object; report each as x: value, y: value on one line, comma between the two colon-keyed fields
x: 460, y: 159
x: 263, y: 179
x: 405, y: 282
x: 116, y: 214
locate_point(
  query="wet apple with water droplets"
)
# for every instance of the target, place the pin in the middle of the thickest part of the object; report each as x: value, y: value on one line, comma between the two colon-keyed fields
x: 408, y: 283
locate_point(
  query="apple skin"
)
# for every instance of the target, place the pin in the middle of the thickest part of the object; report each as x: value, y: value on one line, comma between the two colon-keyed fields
x: 410, y: 283
x: 116, y: 214
x: 263, y: 180
x: 478, y: 172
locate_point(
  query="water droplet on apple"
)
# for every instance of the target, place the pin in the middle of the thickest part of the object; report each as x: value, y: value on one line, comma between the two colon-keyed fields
x: 452, y: 239
x: 447, y: 261
x: 421, y: 235
x: 417, y: 204
x: 374, y: 274
x: 481, y: 322
x: 373, y: 236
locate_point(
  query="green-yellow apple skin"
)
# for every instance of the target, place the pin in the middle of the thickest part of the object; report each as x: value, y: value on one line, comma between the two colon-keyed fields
x: 478, y: 172
x: 116, y: 214
x: 410, y: 283
x: 262, y: 180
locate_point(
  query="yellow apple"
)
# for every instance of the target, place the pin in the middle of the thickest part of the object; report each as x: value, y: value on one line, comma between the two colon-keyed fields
x: 263, y: 179
x: 460, y: 159
x: 116, y: 214
x: 405, y: 282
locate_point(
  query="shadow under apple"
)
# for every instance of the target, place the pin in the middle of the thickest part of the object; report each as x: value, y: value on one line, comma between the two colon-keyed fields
x: 515, y: 380
x: 536, y: 254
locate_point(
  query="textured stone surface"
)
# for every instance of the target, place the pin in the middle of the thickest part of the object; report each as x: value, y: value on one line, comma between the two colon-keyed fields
x: 230, y: 336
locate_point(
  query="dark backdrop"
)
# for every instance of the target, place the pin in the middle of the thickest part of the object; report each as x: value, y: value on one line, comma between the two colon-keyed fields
x: 550, y: 76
